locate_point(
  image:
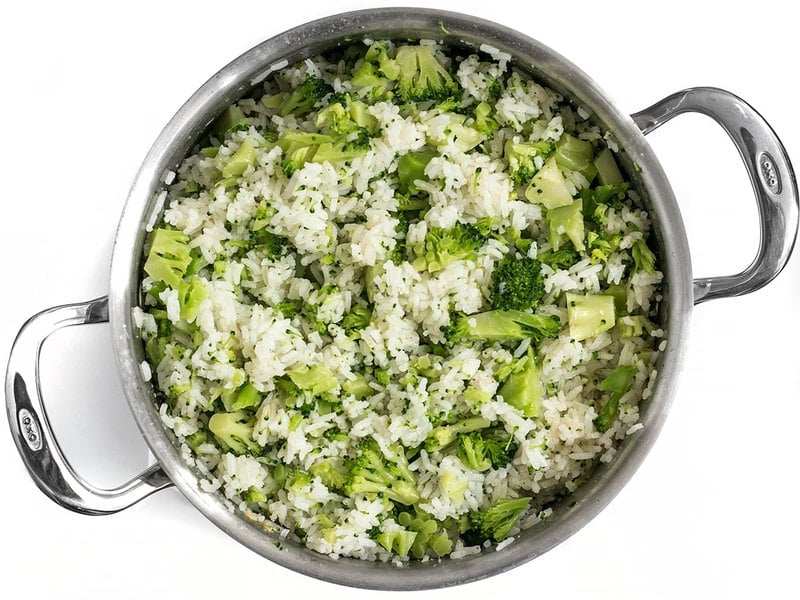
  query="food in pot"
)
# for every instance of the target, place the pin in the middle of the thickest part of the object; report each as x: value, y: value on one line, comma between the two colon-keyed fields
x: 401, y: 300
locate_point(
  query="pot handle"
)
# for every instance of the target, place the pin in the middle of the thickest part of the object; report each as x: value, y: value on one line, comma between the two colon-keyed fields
x: 31, y: 428
x: 770, y: 173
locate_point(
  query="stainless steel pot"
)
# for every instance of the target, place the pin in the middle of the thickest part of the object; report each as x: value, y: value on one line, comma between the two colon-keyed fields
x: 765, y: 161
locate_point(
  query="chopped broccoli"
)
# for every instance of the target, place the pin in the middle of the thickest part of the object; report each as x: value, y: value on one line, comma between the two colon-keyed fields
x: 567, y: 221
x: 254, y: 496
x: 484, y: 122
x: 643, y: 257
x: 548, y: 186
x: 234, y: 432
x: 316, y: 379
x: 196, y: 439
x: 337, y: 118
x: 495, y: 89
x: 589, y: 315
x: 442, y: 247
x: 500, y: 326
x: 246, y: 397
x: 358, y: 387
x: 169, y: 256
x: 377, y: 70
x: 238, y: 162
x: 633, y: 326
x: 372, y: 472
x: 523, y: 387
x: 230, y: 120
x: 411, y: 167
x: 358, y: 318
x: 617, y: 382
x: 517, y: 283
x: 481, y: 450
x: 563, y: 258
x: 576, y: 155
x: 399, y: 540
x: 421, y: 76
x: 430, y: 533
x: 520, y: 156
x: 330, y: 472
x: 299, y: 148
x: 444, y: 435
x: 601, y: 245
x: 496, y: 522
x: 607, y: 169
x: 303, y: 98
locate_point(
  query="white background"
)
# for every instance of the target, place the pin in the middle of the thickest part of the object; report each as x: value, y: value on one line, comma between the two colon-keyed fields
x: 713, y: 512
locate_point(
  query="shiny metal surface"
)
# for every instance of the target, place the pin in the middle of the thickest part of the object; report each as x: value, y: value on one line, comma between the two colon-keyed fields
x: 31, y: 429
x: 770, y: 173
x: 235, y: 81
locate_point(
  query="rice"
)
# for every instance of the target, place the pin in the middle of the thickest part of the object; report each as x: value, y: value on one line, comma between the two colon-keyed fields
x: 304, y: 316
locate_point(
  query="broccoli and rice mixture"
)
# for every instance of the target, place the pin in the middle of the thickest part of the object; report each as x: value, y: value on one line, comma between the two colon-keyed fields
x: 401, y: 299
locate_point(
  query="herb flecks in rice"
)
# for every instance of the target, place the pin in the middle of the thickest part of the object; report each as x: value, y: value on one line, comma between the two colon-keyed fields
x: 328, y: 329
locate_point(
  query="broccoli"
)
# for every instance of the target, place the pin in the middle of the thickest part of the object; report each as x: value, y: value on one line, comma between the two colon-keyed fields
x: 316, y: 379
x: 607, y: 170
x: 484, y: 122
x: 442, y: 247
x: 500, y: 326
x: 397, y: 539
x: 589, y: 315
x: 548, y: 186
x: 169, y: 256
x: 633, y: 326
x: 273, y: 245
x: 254, y: 496
x: 234, y: 432
x: 617, y: 382
x: 563, y: 258
x: 444, y: 435
x: 246, y: 397
x: 299, y: 148
x: 520, y: 156
x: 197, y: 439
x: 330, y: 472
x: 303, y: 98
x: 421, y: 76
x: 517, y: 283
x: 495, y: 89
x: 601, y: 245
x: 567, y: 221
x: 372, y: 472
x: 358, y: 387
x: 377, y: 70
x: 482, y: 450
x: 495, y: 522
x: 411, y: 167
x: 430, y: 533
x: 358, y: 318
x: 576, y: 155
x: 523, y: 387
x: 238, y: 162
x: 643, y: 257
x: 231, y: 120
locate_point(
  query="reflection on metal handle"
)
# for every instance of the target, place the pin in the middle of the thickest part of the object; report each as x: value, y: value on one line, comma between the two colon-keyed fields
x: 770, y: 172
x: 31, y: 429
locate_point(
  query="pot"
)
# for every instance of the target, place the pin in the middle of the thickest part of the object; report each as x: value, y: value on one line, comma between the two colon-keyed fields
x: 764, y: 159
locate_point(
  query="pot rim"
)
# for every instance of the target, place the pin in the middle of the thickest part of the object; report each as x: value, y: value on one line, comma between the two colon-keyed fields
x: 234, y: 81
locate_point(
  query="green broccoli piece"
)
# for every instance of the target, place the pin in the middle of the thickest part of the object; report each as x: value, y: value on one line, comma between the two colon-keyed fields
x: 421, y: 76
x: 643, y: 257
x: 589, y: 315
x: 523, y: 387
x: 431, y: 534
x: 567, y: 221
x: 234, y: 432
x: 196, y: 439
x: 607, y: 169
x: 482, y: 450
x: 484, y: 122
x: 397, y: 540
x: 563, y: 258
x: 232, y: 119
x: 377, y: 70
x: 358, y: 387
x: 495, y: 89
x: 500, y: 326
x: 601, y: 245
x: 521, y: 155
x: 411, y: 167
x: 576, y: 155
x: 254, y: 496
x: 238, y: 162
x: 372, y: 472
x: 316, y: 379
x: 358, y: 318
x: 299, y: 148
x: 275, y: 246
x: 246, y: 397
x: 517, y: 283
x: 330, y: 472
x: 304, y: 97
x: 169, y: 256
x: 495, y: 522
x: 617, y: 382
x: 442, y: 247
x: 444, y: 435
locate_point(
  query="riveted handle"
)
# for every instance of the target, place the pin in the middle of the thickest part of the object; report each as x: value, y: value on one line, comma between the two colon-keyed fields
x: 31, y: 429
x: 770, y: 172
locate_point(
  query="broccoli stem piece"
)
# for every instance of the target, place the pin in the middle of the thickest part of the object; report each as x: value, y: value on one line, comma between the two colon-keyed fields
x: 617, y: 382
x: 501, y: 326
x: 589, y: 315
x: 576, y: 155
x: 643, y: 257
x: 231, y: 119
x: 567, y: 220
x: 607, y: 169
x: 523, y: 388
x: 411, y: 167
x: 234, y: 432
x: 520, y: 157
x: 244, y: 156
x: 548, y: 187
x: 316, y: 379
x: 444, y: 435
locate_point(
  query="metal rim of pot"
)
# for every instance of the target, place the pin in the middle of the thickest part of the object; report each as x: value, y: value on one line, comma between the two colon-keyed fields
x: 764, y: 158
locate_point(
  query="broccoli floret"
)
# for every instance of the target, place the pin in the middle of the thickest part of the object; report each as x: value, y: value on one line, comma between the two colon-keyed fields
x: 617, y: 382
x: 254, y: 496
x: 330, y: 472
x: 274, y: 246
x: 372, y: 472
x: 495, y: 89
x: 442, y: 247
x: 481, y: 450
x: 495, y: 522
x: 411, y: 167
x: 601, y: 245
x: 397, y: 539
x: 521, y: 158
x: 517, y: 283
x: 563, y: 258
x: 484, y: 122
x: 358, y: 318
x: 303, y: 98
x: 299, y: 148
x: 431, y: 535
x: 421, y: 76
x: 500, y: 326
x: 316, y: 379
x: 196, y: 439
x: 234, y: 432
x: 246, y: 397
x: 444, y: 435
x: 523, y: 387
x: 643, y: 257
x: 169, y: 256
x: 377, y: 70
